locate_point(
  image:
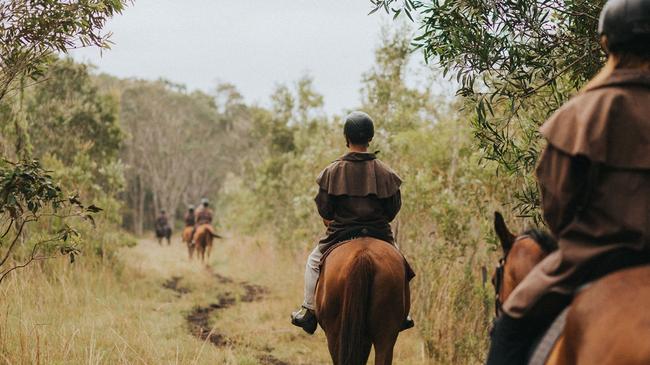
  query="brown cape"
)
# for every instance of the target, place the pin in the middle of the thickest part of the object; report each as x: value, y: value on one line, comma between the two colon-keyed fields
x: 359, y: 174
x: 609, y: 123
x: 360, y: 196
x: 594, y: 178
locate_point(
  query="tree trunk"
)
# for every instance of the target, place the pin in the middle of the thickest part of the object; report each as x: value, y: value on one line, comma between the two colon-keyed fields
x: 139, y: 212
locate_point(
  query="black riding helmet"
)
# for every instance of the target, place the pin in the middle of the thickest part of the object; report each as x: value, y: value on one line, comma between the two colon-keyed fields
x: 358, y: 128
x: 626, y: 23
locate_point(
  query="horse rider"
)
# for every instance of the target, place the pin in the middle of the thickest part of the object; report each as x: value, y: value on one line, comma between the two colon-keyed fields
x: 594, y: 177
x: 202, y: 215
x: 190, y: 221
x: 358, y: 196
x: 189, y: 218
x: 162, y: 222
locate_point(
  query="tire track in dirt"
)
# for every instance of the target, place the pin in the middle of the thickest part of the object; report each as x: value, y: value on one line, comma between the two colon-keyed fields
x: 198, y: 319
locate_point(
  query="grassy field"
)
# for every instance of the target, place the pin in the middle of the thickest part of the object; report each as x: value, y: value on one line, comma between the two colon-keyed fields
x: 157, y: 307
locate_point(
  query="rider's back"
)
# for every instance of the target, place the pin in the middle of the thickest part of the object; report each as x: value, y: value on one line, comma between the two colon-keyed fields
x: 360, y: 196
x: 609, y: 126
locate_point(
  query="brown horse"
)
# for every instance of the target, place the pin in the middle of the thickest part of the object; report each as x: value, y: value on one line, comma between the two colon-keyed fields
x: 608, y: 322
x: 203, y: 240
x: 164, y: 232
x: 187, y: 239
x: 362, y: 299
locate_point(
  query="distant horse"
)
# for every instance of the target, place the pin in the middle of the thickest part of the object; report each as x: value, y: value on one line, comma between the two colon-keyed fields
x: 203, y: 240
x: 362, y: 299
x: 187, y: 239
x: 164, y: 232
x: 607, y: 323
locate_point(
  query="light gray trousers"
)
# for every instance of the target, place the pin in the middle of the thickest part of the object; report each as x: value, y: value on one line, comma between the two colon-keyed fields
x: 312, y: 270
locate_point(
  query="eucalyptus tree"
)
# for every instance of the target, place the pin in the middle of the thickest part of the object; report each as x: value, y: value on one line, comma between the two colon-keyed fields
x: 517, y: 61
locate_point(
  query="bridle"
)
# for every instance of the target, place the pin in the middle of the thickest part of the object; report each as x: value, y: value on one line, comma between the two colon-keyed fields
x: 498, y: 283
x: 498, y: 278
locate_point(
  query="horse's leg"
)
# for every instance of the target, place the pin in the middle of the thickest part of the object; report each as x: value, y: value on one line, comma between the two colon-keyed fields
x: 384, y: 350
x: 209, y: 248
x: 388, y: 310
x: 333, y: 345
x: 201, y: 250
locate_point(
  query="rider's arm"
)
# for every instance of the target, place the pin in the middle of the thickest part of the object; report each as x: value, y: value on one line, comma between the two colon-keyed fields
x: 562, y: 180
x: 325, y: 206
x: 392, y: 205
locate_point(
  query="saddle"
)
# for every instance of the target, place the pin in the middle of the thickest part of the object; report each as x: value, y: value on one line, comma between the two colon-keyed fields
x: 410, y: 274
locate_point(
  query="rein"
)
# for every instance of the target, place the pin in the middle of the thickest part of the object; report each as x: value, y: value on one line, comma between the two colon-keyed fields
x: 498, y: 283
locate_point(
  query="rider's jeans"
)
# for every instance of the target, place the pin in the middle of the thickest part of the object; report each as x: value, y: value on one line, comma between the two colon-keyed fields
x: 312, y: 269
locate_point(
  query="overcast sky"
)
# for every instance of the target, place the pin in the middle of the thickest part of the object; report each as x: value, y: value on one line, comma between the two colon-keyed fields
x: 253, y: 44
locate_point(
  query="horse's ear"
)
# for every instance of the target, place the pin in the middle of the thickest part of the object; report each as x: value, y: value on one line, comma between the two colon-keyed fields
x: 502, y: 231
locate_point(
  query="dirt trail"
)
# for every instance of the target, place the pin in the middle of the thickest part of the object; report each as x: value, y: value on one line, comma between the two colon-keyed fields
x: 236, y: 308
x: 200, y: 317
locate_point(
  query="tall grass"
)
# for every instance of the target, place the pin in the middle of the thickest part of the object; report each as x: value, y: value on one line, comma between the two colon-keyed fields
x: 95, y: 312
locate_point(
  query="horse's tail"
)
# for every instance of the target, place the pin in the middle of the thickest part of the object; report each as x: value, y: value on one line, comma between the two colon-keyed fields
x: 355, y: 311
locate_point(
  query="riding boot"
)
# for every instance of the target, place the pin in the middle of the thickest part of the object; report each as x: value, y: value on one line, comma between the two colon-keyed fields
x: 511, y: 341
x: 408, y: 323
x: 305, y: 318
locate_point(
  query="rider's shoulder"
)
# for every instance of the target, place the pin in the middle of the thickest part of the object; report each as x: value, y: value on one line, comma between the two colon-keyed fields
x: 384, y: 166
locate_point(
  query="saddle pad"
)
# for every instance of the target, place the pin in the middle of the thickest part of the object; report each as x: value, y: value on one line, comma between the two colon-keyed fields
x: 545, y: 346
x: 410, y: 274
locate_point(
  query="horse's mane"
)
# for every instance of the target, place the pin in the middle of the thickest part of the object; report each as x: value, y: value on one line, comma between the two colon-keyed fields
x: 543, y: 239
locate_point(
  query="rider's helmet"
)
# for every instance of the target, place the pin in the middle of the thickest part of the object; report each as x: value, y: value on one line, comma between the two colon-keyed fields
x: 205, y: 202
x: 190, y: 207
x: 358, y: 128
x: 626, y: 23
x: 162, y: 211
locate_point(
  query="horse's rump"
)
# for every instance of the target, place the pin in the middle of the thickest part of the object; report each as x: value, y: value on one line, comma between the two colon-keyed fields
x: 606, y: 324
x: 203, y: 238
x: 204, y: 234
x: 187, y: 234
x: 362, y: 299
x: 410, y: 274
x: 609, y: 323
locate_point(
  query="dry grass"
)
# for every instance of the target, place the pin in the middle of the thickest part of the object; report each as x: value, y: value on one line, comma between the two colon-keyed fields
x: 94, y: 313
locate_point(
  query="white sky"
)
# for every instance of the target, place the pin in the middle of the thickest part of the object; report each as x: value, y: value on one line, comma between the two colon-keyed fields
x: 253, y: 44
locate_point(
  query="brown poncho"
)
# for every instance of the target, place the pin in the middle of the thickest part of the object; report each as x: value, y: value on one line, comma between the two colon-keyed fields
x: 595, y: 184
x: 360, y: 196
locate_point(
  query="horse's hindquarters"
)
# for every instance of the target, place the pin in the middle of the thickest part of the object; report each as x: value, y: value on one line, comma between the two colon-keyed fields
x: 187, y: 234
x: 362, y: 299
x: 609, y: 322
x: 203, y: 237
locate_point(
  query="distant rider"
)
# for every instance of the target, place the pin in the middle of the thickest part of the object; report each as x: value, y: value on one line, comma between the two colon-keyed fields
x: 358, y: 197
x: 203, y: 215
x: 162, y: 221
x: 189, y: 218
